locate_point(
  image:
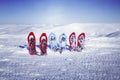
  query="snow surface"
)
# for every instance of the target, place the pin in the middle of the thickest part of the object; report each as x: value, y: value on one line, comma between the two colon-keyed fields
x: 100, y: 60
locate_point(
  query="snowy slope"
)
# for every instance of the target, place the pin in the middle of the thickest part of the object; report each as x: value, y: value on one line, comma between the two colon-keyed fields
x: 114, y: 34
x: 100, y: 60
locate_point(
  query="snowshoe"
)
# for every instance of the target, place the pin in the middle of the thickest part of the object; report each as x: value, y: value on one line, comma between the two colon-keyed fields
x: 72, y: 41
x: 62, y: 42
x: 80, y: 42
x: 43, y: 44
x: 53, y: 42
x: 32, y: 43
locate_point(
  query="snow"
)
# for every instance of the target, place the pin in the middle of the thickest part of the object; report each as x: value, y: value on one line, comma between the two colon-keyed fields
x: 100, y: 60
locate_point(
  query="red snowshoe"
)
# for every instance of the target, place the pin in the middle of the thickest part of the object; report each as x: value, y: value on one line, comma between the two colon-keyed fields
x: 72, y: 41
x: 80, y: 41
x: 32, y: 43
x: 43, y: 43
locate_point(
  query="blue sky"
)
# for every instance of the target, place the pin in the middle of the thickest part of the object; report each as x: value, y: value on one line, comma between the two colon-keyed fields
x: 59, y: 11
